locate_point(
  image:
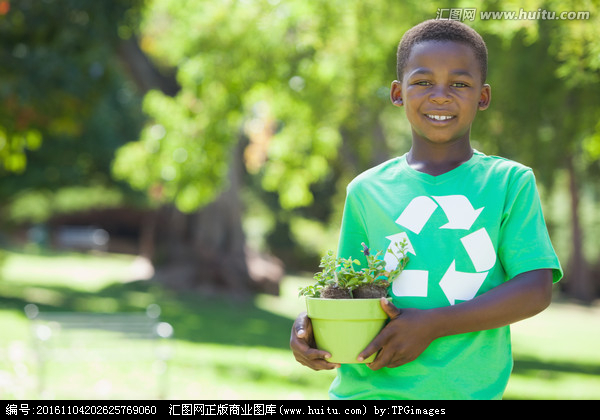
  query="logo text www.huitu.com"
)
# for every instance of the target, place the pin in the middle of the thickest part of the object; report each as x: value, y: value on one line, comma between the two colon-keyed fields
x: 463, y: 14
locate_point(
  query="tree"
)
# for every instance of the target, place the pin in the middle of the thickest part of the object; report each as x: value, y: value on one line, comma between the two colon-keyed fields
x: 67, y: 107
x: 57, y: 73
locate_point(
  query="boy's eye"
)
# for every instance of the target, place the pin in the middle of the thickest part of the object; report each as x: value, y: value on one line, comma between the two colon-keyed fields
x: 427, y: 83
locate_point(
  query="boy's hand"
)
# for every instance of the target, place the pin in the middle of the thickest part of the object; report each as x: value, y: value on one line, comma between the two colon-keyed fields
x: 303, y: 346
x: 402, y: 340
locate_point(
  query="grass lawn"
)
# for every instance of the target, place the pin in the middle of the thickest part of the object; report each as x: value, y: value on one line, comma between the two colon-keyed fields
x: 230, y: 350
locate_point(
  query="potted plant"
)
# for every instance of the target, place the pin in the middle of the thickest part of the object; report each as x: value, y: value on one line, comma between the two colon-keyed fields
x: 344, y: 303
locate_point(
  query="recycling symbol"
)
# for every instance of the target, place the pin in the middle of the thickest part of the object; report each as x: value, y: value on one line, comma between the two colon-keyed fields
x: 461, y: 215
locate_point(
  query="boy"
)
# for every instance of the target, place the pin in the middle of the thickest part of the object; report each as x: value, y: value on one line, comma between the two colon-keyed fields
x: 480, y: 254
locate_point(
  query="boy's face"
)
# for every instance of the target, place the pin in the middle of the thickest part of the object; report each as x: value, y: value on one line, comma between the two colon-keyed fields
x: 441, y: 91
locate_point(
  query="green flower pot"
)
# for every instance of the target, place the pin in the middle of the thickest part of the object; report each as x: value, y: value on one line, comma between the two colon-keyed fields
x: 345, y: 327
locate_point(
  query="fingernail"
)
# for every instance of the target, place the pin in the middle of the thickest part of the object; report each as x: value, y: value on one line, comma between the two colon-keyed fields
x: 360, y: 358
x: 300, y: 333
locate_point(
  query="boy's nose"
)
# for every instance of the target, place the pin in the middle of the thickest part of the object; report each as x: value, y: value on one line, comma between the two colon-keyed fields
x: 439, y: 94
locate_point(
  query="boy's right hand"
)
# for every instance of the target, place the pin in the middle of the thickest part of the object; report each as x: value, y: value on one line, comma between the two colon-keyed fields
x: 303, y: 346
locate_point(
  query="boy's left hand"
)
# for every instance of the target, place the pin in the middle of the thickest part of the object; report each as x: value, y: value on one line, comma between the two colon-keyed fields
x: 402, y: 340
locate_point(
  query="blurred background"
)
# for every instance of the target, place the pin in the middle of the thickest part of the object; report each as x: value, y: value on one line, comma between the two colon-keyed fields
x: 193, y: 155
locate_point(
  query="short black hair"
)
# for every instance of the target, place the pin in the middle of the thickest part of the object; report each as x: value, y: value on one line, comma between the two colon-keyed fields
x: 442, y: 30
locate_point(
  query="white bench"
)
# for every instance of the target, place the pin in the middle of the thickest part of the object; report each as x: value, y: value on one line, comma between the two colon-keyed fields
x: 104, y: 355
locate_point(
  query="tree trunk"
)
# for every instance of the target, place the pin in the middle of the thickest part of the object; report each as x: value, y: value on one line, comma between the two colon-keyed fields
x: 218, y: 241
x: 205, y: 250
x: 578, y: 275
x: 143, y: 72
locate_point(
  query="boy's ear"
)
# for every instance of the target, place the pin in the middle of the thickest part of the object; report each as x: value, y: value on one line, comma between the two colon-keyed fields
x: 396, y: 93
x: 485, y: 97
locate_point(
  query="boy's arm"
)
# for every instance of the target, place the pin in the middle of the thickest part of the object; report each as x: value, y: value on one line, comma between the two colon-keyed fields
x: 410, y: 331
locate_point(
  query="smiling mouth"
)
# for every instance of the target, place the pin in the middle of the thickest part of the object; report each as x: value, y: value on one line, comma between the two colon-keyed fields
x: 440, y: 117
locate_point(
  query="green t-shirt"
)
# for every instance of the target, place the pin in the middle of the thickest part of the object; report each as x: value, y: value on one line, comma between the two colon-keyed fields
x: 468, y: 230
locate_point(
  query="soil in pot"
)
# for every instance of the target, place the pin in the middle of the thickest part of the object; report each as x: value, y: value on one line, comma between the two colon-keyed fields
x: 370, y: 291
x: 367, y: 291
x: 335, y: 292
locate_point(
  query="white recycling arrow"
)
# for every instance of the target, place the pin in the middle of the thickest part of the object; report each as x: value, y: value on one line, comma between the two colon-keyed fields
x: 411, y: 283
x: 481, y: 250
x: 390, y: 261
x: 458, y: 285
x: 417, y: 213
x: 458, y: 210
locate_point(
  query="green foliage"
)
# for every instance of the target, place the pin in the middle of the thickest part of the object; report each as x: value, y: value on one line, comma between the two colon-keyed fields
x: 58, y: 64
x: 324, y: 278
x: 552, y: 65
x: 291, y: 81
x: 342, y: 272
x: 67, y: 106
x: 37, y: 206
